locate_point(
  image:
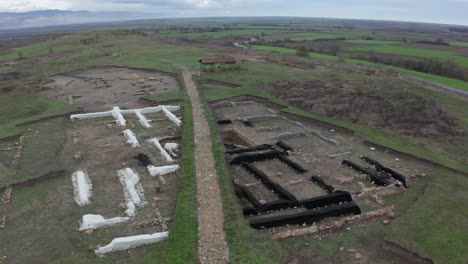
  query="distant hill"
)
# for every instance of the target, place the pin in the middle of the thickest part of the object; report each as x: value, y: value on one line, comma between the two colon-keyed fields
x: 41, y: 18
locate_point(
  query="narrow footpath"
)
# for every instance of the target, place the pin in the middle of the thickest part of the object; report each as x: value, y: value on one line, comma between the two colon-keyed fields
x: 212, y: 245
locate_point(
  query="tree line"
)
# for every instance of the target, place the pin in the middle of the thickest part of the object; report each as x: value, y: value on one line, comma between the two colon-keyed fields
x: 442, y: 67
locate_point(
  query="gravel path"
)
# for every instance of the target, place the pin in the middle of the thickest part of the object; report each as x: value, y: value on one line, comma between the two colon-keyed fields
x: 212, y: 247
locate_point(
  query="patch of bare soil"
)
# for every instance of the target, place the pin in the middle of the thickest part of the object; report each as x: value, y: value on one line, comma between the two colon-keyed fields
x: 413, y: 115
x: 102, y: 88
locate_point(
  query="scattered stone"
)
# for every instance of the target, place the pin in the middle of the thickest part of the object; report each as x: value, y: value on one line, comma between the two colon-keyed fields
x: 122, y: 205
x: 163, y: 181
x: 372, y: 148
x: 7, y: 195
x: 2, y: 221
x: 358, y: 255
x: 397, y: 159
x: 78, y: 155
x: 386, y: 222
x: 351, y: 250
x: 391, y: 214
x: 341, y: 248
x: 75, y: 140
x: 109, y: 125
x: 89, y: 231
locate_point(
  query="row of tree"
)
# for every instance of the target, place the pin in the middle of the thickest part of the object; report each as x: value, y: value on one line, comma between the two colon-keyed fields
x: 442, y: 67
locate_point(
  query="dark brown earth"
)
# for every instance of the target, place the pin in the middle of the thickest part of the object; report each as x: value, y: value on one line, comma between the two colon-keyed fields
x: 412, y: 115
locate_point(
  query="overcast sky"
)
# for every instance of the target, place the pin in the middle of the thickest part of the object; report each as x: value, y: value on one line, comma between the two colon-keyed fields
x: 438, y: 11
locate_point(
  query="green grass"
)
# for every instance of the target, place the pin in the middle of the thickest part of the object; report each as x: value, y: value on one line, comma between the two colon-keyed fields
x: 459, y: 43
x: 435, y: 225
x: 373, y: 42
x: 326, y: 35
x: 293, y: 52
x: 4, y: 171
x: 41, y: 145
x: 18, y: 109
x: 416, y: 52
x: 458, y: 84
x: 60, y: 45
x: 182, y: 245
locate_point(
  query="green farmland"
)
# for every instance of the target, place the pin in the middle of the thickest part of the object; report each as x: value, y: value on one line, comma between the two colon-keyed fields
x: 417, y: 52
x: 223, y: 34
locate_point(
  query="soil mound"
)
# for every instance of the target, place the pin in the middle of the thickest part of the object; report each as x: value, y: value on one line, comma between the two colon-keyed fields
x: 400, y: 112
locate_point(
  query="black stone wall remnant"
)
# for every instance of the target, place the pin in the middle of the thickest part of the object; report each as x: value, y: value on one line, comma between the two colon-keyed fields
x: 284, y: 146
x: 250, y: 196
x: 248, y: 157
x: 307, y: 217
x: 270, y: 206
x: 336, y: 203
x: 298, y: 168
x: 230, y: 146
x: 321, y: 183
x: 328, y: 199
x: 324, y: 200
x: 224, y: 122
x: 247, y: 123
x: 380, y: 168
x: 251, y: 149
x: 355, y: 167
x: 143, y: 160
x: 397, y: 176
x: 253, y: 157
x: 278, y: 189
x: 380, y: 179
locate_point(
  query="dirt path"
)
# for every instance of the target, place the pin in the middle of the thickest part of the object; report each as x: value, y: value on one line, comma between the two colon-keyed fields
x: 439, y: 87
x: 212, y: 246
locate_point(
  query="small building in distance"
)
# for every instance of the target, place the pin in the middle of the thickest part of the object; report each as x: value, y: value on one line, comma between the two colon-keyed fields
x: 222, y: 64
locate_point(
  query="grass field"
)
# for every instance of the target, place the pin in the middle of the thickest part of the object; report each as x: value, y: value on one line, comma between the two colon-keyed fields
x: 326, y: 35
x: 223, y: 34
x: 459, y: 43
x: 438, y: 214
x: 417, y: 52
x: 293, y: 52
x: 373, y: 42
x: 458, y: 84
x: 17, y: 110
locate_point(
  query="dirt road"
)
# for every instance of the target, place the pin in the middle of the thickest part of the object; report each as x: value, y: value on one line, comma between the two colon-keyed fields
x: 438, y: 86
x: 212, y: 246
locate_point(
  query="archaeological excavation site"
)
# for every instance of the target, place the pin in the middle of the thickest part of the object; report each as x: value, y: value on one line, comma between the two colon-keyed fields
x: 294, y: 176
x: 203, y: 142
